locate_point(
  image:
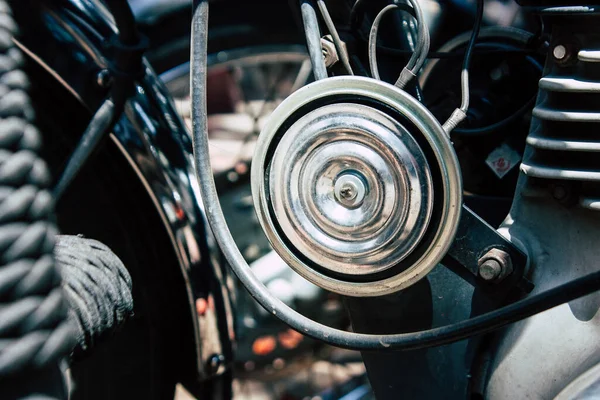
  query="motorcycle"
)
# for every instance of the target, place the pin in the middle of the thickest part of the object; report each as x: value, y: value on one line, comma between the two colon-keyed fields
x: 456, y: 227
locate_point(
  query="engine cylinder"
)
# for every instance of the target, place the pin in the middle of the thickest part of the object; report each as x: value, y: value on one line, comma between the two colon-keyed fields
x: 564, y: 144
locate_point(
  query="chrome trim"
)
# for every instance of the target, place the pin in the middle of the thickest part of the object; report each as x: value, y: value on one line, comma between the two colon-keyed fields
x: 364, y: 149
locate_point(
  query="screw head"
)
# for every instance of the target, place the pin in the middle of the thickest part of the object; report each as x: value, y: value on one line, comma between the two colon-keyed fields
x: 490, y: 270
x: 559, y: 52
x: 350, y: 190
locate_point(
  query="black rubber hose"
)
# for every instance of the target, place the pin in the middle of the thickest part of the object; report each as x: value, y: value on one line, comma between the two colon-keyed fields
x: 390, y: 51
x: 35, y: 334
x: 469, y: 55
x: 125, y: 21
x: 406, y: 341
x: 495, y: 127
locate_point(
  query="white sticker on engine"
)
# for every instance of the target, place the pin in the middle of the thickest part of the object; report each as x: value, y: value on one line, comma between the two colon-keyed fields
x: 502, y: 160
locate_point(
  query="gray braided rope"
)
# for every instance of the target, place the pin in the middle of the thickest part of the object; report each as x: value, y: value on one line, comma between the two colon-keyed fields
x: 34, y: 332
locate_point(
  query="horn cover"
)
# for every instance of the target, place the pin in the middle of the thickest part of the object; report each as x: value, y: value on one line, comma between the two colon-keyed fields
x: 357, y: 186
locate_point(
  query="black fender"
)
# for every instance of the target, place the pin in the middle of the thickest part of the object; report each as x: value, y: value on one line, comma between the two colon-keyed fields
x: 68, y: 39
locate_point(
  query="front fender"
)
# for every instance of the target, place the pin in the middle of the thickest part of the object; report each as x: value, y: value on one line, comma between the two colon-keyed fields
x: 67, y: 39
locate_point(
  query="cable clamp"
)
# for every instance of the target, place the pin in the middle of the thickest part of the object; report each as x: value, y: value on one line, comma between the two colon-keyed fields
x: 405, y: 76
x: 127, y: 59
x: 456, y: 118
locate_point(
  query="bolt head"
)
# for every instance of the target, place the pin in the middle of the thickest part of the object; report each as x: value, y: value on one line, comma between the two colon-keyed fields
x: 559, y: 52
x: 490, y: 270
x: 495, y: 265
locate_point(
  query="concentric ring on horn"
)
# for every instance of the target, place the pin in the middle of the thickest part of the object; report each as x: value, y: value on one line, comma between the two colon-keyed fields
x: 356, y: 186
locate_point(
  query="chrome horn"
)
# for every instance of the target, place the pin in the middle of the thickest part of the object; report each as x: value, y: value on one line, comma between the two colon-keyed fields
x: 357, y: 186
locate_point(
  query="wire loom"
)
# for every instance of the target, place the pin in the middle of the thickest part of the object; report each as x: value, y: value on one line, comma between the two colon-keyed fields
x: 98, y: 287
x: 34, y: 330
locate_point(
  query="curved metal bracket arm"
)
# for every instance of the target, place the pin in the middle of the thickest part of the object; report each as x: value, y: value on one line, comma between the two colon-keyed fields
x: 477, y: 242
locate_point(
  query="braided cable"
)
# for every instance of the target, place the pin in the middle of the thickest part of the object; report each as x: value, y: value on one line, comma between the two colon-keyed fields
x: 34, y: 330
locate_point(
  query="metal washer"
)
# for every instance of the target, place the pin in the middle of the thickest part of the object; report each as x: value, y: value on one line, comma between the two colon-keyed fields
x: 272, y: 207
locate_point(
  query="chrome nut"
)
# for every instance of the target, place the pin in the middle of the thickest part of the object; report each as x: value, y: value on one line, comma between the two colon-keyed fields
x: 330, y: 55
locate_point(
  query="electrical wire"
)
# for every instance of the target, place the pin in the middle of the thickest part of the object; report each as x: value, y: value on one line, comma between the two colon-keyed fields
x: 390, y: 51
x: 419, y: 55
x: 127, y: 65
x: 313, y: 39
x: 405, y: 341
x: 373, y: 41
x: 461, y: 113
x: 464, y: 106
x: 423, y: 39
x: 486, y: 130
x: 125, y: 21
x: 337, y: 41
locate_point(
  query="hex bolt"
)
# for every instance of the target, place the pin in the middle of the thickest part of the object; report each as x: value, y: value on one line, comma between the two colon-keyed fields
x: 490, y: 270
x: 495, y: 265
x: 330, y: 55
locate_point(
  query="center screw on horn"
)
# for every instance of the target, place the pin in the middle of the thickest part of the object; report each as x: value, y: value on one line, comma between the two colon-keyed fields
x: 350, y: 190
